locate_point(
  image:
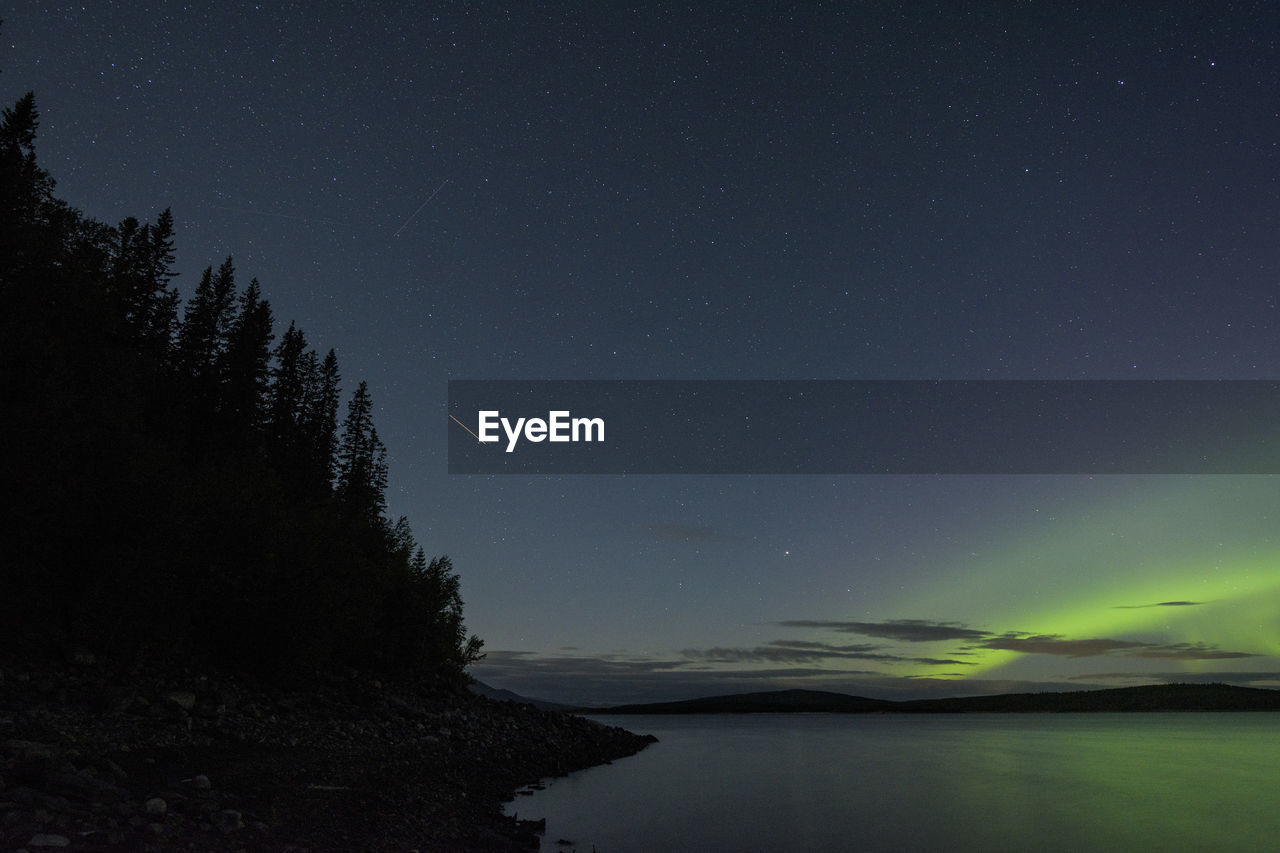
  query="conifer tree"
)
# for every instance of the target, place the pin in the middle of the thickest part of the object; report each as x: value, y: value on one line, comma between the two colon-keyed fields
x: 141, y: 272
x: 161, y: 313
x: 206, y: 327
x: 320, y: 421
x: 362, y: 461
x: 287, y: 387
x: 445, y: 637
x: 29, y: 187
x: 27, y: 195
x: 247, y: 360
x: 285, y: 399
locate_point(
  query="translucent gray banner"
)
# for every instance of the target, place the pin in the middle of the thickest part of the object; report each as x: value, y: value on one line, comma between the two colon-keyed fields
x: 864, y: 427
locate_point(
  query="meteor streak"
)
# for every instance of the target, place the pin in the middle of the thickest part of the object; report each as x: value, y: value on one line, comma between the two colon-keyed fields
x: 405, y: 224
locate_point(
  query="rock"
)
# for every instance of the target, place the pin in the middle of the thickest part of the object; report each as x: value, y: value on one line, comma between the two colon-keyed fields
x: 44, y: 839
x: 228, y: 820
x: 115, y: 770
x: 482, y: 751
x: 184, y: 699
x: 29, y: 748
x: 22, y: 795
x: 82, y: 784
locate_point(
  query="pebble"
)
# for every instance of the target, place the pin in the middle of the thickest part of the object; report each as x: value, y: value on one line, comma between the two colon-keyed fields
x: 228, y: 820
x: 184, y: 699
x: 81, y: 792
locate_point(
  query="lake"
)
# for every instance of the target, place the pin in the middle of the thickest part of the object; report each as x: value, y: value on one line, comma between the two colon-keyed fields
x: 831, y: 782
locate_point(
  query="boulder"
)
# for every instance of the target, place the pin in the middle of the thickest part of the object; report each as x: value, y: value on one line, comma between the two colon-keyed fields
x: 184, y: 699
x: 228, y: 820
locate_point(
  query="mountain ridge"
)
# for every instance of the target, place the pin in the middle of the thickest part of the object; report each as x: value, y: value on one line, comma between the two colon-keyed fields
x: 1160, y: 697
x: 498, y: 694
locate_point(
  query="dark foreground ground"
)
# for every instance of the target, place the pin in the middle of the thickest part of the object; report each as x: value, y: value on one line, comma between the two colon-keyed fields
x: 99, y: 756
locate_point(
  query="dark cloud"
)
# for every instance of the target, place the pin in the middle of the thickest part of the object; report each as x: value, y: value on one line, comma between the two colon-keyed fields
x: 570, y: 665
x: 1157, y: 604
x: 1055, y: 644
x: 941, y: 662
x: 603, y: 680
x: 574, y: 679
x: 505, y: 655
x: 801, y: 651
x: 1217, y: 677
x: 1191, y: 651
x: 905, y: 630
x: 806, y: 644
x: 861, y: 647
x: 610, y: 680
x: 780, y: 655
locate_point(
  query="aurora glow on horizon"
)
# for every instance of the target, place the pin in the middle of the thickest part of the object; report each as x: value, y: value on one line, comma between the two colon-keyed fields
x: 1154, y: 579
x: 880, y: 190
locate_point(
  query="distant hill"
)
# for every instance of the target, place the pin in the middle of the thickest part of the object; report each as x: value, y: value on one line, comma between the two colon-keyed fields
x: 776, y: 701
x: 1162, y: 697
x: 482, y: 689
x: 1158, y: 697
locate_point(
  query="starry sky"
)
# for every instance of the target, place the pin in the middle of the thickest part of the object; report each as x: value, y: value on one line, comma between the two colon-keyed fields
x: 855, y: 190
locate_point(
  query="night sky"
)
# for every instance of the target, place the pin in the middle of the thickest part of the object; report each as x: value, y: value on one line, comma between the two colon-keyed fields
x: 740, y: 191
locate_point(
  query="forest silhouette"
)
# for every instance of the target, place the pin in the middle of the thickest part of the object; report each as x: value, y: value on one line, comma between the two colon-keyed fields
x: 179, y: 487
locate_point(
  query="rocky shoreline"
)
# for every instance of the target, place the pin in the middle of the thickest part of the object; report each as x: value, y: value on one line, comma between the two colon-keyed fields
x: 106, y: 756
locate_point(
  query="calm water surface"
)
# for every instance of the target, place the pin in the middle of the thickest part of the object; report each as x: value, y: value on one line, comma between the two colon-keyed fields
x: 828, y: 782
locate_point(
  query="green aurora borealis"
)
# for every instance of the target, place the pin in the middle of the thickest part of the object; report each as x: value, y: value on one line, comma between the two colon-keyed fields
x: 1188, y: 560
